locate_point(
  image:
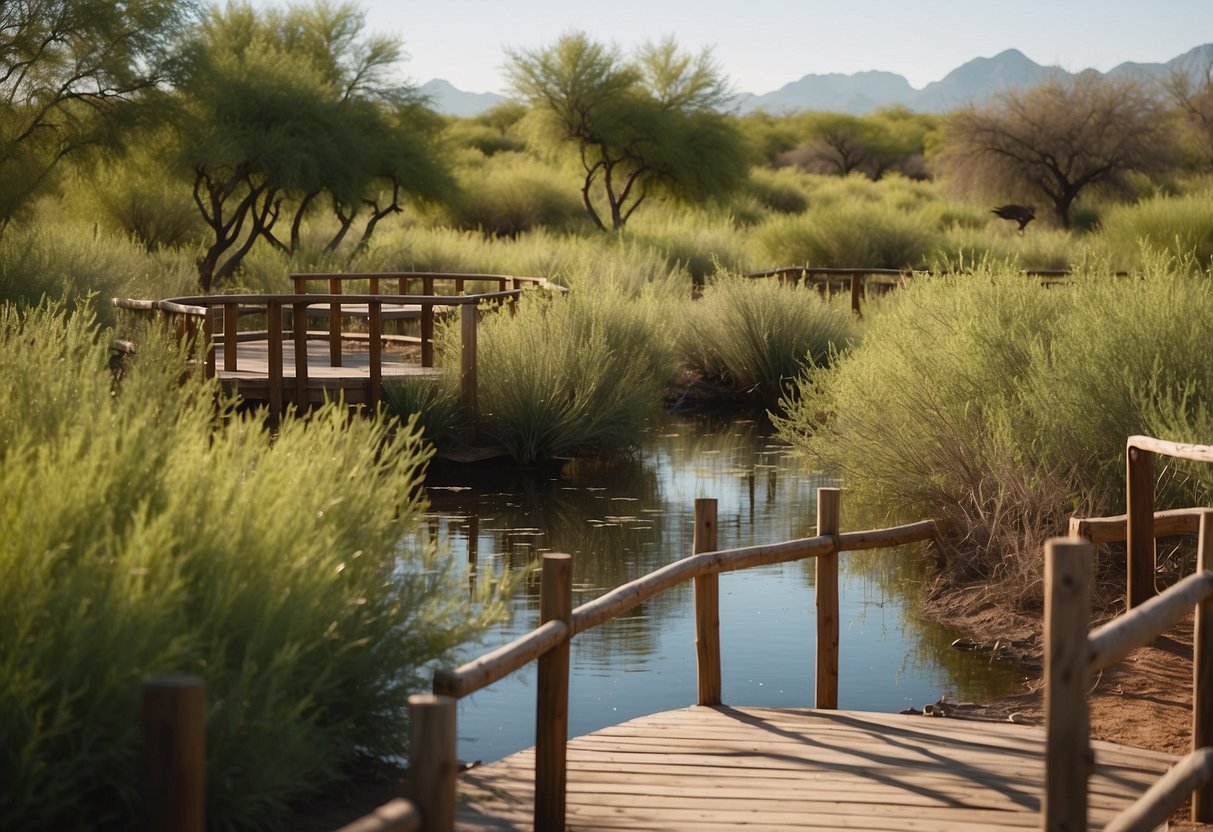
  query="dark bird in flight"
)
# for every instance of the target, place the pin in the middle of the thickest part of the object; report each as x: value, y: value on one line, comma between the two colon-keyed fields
x: 1022, y: 214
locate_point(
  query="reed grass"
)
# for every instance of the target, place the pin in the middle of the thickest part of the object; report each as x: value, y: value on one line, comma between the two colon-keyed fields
x: 755, y: 337
x: 1180, y: 227
x: 570, y: 374
x: 80, y: 264
x: 147, y: 532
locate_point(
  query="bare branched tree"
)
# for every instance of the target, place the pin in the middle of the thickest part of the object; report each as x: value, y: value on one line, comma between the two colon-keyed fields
x: 1056, y: 140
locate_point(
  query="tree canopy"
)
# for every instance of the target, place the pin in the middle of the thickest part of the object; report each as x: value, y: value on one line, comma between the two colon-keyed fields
x: 653, y: 124
x: 282, y: 111
x: 1058, y: 139
x: 68, y: 70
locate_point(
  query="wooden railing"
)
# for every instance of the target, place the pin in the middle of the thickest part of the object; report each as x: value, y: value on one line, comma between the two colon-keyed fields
x: 827, y: 280
x: 1142, y: 524
x: 429, y: 284
x: 560, y: 622
x: 1072, y: 655
x: 219, y: 316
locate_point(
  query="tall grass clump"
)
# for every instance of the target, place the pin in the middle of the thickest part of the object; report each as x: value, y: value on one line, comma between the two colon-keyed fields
x: 853, y: 233
x: 755, y: 337
x: 148, y: 532
x: 1177, y: 226
x: 74, y: 261
x: 510, y: 192
x: 571, y: 374
x: 1003, y: 407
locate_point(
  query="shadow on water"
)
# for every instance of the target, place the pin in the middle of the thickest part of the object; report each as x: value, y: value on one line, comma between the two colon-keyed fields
x: 622, y: 518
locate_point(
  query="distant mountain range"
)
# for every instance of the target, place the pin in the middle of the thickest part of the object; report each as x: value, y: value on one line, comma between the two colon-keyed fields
x: 863, y: 92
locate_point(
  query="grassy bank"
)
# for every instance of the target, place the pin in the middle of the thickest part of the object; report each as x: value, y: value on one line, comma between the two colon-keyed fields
x: 148, y: 532
x: 1003, y: 407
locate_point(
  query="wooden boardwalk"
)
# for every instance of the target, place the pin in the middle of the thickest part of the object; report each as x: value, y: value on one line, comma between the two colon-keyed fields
x: 352, y: 379
x: 716, y: 768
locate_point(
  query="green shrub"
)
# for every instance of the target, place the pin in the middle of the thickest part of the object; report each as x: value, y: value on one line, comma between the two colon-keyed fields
x: 513, y: 192
x: 782, y: 190
x: 755, y: 337
x: 849, y: 234
x: 1180, y: 227
x: 432, y: 404
x: 147, y: 532
x: 1003, y: 407
x: 573, y: 374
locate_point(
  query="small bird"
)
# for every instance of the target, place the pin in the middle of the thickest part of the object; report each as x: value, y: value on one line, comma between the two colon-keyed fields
x: 1022, y: 214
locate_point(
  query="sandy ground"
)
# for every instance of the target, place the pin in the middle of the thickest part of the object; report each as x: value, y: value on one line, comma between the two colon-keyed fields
x: 1144, y: 701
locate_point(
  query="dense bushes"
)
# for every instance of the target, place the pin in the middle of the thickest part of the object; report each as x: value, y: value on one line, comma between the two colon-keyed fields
x: 147, y: 533
x: 570, y: 374
x: 755, y: 337
x: 1004, y: 407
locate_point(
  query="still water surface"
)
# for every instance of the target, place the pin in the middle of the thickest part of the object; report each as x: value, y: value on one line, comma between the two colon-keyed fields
x: 625, y: 518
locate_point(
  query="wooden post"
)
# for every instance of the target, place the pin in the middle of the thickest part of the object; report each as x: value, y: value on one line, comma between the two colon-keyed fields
x: 173, y: 721
x: 1140, y: 555
x: 273, y: 315
x: 552, y: 697
x: 208, y: 346
x: 334, y: 324
x: 856, y: 293
x: 375, y: 389
x: 433, y: 766
x: 299, y: 327
x: 707, y: 607
x: 467, y: 373
x: 427, y: 323
x: 1067, y: 618
x: 231, y: 331
x: 828, y: 502
x: 1202, y: 671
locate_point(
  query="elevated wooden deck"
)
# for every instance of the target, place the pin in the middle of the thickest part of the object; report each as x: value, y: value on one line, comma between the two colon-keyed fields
x: 705, y: 768
x: 352, y: 380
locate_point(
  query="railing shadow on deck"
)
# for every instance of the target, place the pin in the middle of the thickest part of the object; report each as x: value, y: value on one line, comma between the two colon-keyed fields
x: 1071, y: 656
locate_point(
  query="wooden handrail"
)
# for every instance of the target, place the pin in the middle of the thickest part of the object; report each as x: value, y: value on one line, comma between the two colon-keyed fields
x: 1152, y: 809
x: 1114, y: 529
x: 549, y: 643
x: 1144, y: 623
x: 397, y: 815
x: 1072, y: 654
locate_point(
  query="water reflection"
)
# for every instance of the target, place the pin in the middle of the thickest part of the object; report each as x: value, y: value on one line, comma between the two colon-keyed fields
x: 625, y: 517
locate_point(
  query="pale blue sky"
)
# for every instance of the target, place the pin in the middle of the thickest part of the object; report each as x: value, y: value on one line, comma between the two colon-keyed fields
x: 764, y: 44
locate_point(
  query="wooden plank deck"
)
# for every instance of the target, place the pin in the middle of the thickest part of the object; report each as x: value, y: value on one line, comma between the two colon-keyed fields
x: 251, y: 378
x: 705, y: 768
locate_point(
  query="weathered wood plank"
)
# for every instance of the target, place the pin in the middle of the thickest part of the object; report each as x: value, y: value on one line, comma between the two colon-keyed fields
x: 720, y: 768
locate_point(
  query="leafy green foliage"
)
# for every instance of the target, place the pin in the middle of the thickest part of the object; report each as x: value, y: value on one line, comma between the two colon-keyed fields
x: 180, y: 539
x: 282, y: 109
x: 644, y: 128
x: 70, y: 72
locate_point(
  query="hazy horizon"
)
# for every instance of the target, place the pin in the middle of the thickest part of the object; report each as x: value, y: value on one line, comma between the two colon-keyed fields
x: 771, y: 44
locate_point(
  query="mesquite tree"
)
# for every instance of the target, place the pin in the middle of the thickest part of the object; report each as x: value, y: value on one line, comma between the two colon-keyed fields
x: 641, y: 127
x: 286, y: 113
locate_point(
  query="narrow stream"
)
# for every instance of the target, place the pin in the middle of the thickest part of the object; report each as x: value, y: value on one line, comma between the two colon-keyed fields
x: 623, y: 519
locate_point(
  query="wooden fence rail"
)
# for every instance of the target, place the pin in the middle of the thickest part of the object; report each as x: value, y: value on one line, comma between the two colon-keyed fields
x: 549, y: 643
x: 1072, y: 655
x: 1141, y: 524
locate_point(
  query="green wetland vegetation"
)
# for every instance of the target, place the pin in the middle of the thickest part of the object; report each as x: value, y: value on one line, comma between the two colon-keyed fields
x: 151, y: 526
